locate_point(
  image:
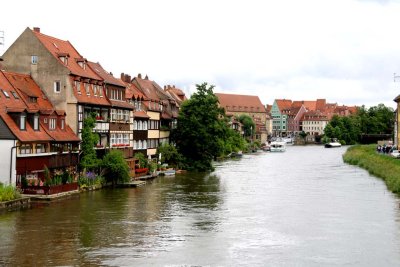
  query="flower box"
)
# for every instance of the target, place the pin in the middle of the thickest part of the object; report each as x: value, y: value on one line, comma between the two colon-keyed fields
x: 141, y: 170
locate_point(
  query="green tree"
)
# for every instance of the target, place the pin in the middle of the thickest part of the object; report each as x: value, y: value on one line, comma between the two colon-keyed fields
x: 169, y: 154
x: 115, y: 167
x: 201, y: 129
x: 89, y: 160
x: 248, y: 125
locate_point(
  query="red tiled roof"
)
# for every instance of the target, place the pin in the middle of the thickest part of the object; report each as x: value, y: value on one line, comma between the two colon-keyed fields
x: 29, y: 89
x: 93, y: 99
x: 140, y: 114
x: 26, y: 88
x: 59, y: 47
x: 133, y: 92
x: 106, y: 76
x: 65, y: 135
x: 309, y: 105
x: 249, y: 103
x: 121, y: 104
x: 283, y: 103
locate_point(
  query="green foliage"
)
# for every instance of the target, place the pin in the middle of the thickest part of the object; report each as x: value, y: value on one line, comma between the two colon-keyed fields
x: 303, y: 134
x: 8, y: 193
x: 169, y: 154
x: 143, y: 161
x: 202, y: 130
x: 248, y: 125
x: 116, y: 169
x: 89, y: 158
x: 91, y: 179
x: 375, y: 120
x: 380, y: 165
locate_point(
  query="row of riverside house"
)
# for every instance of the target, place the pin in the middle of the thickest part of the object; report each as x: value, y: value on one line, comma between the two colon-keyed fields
x: 289, y: 118
x: 47, y: 90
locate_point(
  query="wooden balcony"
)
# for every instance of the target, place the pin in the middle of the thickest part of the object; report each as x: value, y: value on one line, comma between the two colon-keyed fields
x: 36, y: 162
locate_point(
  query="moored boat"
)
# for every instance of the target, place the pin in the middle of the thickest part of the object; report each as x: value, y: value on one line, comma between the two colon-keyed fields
x: 333, y: 143
x: 278, y: 146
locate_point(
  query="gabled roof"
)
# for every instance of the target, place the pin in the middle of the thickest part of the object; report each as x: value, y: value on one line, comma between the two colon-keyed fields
x: 28, y: 90
x: 140, y: 114
x: 18, y: 102
x: 105, y: 75
x: 315, y: 116
x: 133, y: 92
x: 283, y: 103
x: 249, y: 103
x: 309, y: 105
x: 60, y: 48
x: 149, y: 88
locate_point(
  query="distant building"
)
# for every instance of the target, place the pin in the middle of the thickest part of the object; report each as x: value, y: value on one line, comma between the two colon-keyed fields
x: 250, y: 105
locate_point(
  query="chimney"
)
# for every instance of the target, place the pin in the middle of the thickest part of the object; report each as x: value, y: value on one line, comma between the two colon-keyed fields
x: 36, y: 29
x: 146, y: 78
x: 126, y: 78
x: 129, y: 79
x: 165, y: 87
x: 122, y: 76
x: 139, y: 76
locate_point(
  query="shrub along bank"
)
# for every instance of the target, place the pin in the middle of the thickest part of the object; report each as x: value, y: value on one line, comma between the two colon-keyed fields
x: 380, y: 165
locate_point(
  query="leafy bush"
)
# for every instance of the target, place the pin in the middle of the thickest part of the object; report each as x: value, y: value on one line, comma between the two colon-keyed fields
x: 8, y: 193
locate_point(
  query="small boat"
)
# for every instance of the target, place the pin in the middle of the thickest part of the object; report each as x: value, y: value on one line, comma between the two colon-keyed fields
x: 278, y: 146
x: 169, y: 172
x: 333, y: 143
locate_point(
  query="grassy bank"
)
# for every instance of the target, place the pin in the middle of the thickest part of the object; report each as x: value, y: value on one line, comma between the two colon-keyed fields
x: 8, y: 193
x: 379, y: 165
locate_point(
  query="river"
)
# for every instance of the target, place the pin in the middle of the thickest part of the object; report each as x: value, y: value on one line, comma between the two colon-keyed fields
x: 303, y: 207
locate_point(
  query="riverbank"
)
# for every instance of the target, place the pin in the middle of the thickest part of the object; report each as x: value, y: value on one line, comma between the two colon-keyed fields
x: 380, y: 165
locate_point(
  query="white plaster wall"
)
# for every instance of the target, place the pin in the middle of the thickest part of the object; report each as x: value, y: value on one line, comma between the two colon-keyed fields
x: 6, y: 162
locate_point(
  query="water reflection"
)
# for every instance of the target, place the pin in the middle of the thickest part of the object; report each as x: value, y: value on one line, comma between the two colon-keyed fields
x: 302, y: 207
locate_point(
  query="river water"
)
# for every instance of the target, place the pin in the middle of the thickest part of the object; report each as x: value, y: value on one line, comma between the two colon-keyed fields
x: 303, y: 207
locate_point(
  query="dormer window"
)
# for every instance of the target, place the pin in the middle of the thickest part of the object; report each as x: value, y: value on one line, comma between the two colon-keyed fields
x: 81, y: 62
x: 52, y: 124
x: 22, y: 122
x: 64, y: 60
x: 6, y: 94
x: 78, y: 86
x: 15, y: 94
x: 32, y: 99
x: 36, y: 122
x: 87, y: 88
x: 62, y: 124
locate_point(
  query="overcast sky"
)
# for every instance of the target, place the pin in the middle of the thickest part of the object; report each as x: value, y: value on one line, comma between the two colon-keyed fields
x: 343, y: 50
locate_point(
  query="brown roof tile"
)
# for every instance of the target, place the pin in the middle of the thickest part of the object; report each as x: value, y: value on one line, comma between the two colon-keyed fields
x: 249, y: 103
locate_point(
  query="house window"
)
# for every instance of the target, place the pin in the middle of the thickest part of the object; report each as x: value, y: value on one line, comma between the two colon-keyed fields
x: 134, y: 144
x: 145, y: 125
x: 62, y: 124
x: 126, y: 115
x: 36, y: 122
x: 25, y: 149
x: 78, y: 86
x: 22, y: 122
x: 87, y: 88
x: 57, y: 86
x: 113, y: 114
x: 135, y: 125
x: 52, y: 124
x: 34, y: 60
x: 40, y: 148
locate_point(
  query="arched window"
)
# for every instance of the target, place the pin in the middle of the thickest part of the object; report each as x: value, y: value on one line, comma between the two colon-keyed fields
x: 135, y: 125
x: 140, y: 125
x: 145, y: 144
x: 134, y: 144
x: 145, y: 125
x: 140, y: 144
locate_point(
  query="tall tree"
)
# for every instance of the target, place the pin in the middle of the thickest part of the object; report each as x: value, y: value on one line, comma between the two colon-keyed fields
x: 89, y: 159
x: 201, y: 129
